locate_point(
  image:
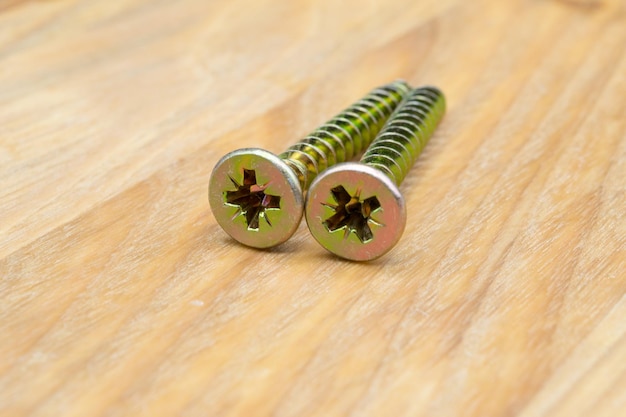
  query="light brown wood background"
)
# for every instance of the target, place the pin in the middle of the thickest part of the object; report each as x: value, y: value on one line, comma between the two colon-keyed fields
x: 120, y: 296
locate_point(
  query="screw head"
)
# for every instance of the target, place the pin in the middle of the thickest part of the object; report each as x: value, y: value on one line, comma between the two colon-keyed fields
x: 355, y: 211
x: 255, y: 197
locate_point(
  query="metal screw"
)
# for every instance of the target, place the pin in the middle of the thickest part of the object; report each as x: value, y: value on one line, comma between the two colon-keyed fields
x: 355, y: 210
x: 257, y: 197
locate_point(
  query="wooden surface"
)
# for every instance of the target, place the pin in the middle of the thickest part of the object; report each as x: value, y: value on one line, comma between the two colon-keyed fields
x: 120, y: 296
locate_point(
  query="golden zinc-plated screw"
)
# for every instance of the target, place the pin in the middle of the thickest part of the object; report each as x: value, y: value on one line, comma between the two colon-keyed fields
x: 355, y: 210
x: 257, y: 197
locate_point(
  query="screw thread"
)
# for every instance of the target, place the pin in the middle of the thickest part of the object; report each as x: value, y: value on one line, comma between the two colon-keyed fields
x: 346, y: 134
x: 406, y: 133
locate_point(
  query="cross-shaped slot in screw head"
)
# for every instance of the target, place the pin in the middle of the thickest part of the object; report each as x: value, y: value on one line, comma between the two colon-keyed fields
x: 251, y: 199
x: 351, y: 214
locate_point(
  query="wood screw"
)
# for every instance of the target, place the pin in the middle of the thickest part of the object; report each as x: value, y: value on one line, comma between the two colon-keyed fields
x: 355, y: 210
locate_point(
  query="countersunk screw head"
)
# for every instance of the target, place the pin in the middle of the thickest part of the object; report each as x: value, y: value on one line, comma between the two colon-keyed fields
x: 256, y: 197
x: 355, y: 211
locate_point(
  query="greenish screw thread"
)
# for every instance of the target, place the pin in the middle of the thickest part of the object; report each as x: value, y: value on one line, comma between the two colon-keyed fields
x: 345, y: 135
x: 406, y: 133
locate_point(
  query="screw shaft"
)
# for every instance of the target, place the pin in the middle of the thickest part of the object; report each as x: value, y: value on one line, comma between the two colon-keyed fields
x: 346, y: 134
x: 406, y: 133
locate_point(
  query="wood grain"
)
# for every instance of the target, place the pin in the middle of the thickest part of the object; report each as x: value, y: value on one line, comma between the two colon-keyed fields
x: 120, y: 295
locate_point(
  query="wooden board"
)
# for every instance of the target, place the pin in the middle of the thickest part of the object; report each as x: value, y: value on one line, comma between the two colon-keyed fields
x: 120, y: 295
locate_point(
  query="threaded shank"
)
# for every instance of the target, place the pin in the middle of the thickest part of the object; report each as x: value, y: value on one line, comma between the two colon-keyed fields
x: 346, y: 134
x: 406, y: 133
